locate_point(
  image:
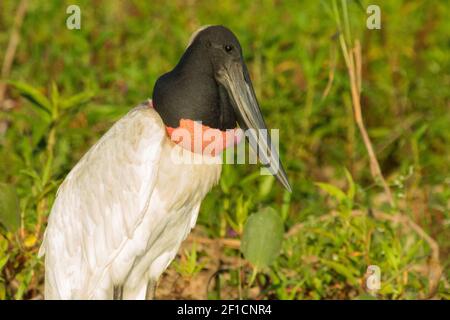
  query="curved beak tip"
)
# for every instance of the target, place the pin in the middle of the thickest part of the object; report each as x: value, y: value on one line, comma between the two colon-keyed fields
x: 237, y: 83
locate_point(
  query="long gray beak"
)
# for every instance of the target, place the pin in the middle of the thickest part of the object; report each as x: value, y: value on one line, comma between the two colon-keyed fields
x: 236, y: 80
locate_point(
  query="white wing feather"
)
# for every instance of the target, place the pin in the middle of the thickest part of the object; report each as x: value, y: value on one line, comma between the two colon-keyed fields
x: 100, y: 204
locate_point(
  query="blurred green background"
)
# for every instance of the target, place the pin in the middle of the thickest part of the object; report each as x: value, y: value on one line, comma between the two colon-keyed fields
x: 66, y: 87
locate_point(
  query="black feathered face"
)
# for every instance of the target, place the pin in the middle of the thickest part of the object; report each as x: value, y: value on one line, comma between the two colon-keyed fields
x: 191, y: 90
x: 211, y: 84
x: 221, y: 47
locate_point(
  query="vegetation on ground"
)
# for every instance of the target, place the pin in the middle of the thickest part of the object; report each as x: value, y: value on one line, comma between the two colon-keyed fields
x: 364, y: 135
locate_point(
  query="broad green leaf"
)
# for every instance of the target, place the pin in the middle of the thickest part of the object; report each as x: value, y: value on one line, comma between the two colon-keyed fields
x: 33, y: 95
x: 9, y: 207
x: 262, y: 238
x: 332, y: 191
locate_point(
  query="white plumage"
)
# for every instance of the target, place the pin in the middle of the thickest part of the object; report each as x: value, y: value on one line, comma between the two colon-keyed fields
x: 122, y: 212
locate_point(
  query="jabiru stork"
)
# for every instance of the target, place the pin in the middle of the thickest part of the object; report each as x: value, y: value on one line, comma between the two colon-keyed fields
x: 120, y: 215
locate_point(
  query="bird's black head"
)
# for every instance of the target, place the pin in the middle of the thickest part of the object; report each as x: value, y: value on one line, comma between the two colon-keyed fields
x: 211, y: 84
x: 192, y: 90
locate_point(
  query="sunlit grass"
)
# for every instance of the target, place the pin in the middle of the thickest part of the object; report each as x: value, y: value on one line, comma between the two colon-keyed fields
x: 337, y: 221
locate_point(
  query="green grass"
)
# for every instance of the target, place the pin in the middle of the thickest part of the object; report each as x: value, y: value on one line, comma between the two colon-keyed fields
x: 343, y: 222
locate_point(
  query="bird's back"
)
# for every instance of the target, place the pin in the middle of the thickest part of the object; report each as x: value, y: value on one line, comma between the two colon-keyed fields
x: 121, y: 213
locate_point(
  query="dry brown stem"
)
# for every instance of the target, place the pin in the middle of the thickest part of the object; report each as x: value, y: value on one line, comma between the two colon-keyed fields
x: 12, y: 46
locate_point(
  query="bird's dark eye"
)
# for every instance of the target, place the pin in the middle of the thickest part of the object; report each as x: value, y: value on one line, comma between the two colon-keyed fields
x: 228, y: 48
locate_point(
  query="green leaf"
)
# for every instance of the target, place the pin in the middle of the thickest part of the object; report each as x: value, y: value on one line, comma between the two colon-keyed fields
x: 9, y: 207
x: 342, y: 269
x: 24, y: 279
x: 77, y: 100
x: 33, y: 95
x: 231, y: 222
x: 242, y: 208
x: 227, y: 179
x: 54, y: 94
x: 286, y: 204
x: 262, y: 238
x: 3, y: 261
x: 55, y: 99
x: 332, y: 191
x: 265, y: 186
x: 351, y: 185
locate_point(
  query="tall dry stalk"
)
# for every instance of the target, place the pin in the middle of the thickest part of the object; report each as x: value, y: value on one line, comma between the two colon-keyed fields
x: 351, y: 51
x: 353, y: 62
x: 12, y: 46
